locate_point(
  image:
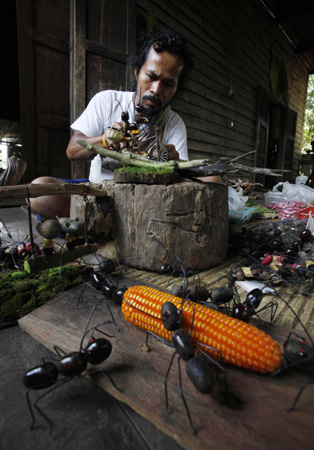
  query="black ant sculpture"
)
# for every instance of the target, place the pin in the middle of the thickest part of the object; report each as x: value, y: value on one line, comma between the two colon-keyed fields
x: 298, y: 354
x: 135, y: 136
x: 287, y: 236
x: 175, y: 268
x: 99, y: 282
x: 222, y: 296
x: 285, y: 274
x: 251, y: 307
x: 109, y: 289
x: 198, y: 370
x: 70, y: 365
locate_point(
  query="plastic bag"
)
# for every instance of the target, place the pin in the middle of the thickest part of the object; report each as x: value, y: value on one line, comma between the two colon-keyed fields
x: 310, y: 223
x: 235, y: 201
x: 294, y: 192
x: 95, y: 170
x: 287, y: 199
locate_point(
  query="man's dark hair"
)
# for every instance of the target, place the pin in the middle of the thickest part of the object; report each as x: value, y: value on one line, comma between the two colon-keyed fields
x: 170, y: 41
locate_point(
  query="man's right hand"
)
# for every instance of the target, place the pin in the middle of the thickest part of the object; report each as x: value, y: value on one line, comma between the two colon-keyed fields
x: 114, y: 136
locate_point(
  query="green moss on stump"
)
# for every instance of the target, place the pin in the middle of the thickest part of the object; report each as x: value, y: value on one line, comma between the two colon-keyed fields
x: 21, y: 295
x: 134, y: 170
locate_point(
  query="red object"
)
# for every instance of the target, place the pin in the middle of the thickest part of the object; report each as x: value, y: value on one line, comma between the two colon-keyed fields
x: 28, y: 247
x: 304, y: 213
x: 22, y: 252
x: 267, y: 260
x: 281, y: 259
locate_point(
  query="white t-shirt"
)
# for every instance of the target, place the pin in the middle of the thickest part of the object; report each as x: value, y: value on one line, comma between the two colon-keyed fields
x: 105, y: 109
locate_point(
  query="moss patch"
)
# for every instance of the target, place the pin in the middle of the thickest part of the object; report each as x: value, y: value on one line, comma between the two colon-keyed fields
x: 134, y: 170
x: 20, y: 294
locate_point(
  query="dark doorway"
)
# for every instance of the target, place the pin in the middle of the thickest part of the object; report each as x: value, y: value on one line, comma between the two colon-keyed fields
x: 274, y: 142
x: 275, y: 135
x: 9, y: 68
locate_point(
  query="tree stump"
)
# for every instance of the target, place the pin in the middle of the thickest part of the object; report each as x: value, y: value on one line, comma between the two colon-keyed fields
x: 189, y: 218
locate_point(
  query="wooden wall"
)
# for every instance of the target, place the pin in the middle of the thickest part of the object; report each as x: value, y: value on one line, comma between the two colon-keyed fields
x: 44, y: 76
x: 236, y: 49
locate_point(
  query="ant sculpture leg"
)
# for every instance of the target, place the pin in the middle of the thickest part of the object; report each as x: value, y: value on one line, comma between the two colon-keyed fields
x: 58, y: 384
x: 298, y: 355
x: 198, y: 370
x: 181, y: 392
x: 97, y: 350
x: 175, y: 353
x: 102, y: 370
x: 93, y: 328
x: 296, y: 316
x: 273, y: 306
x: 95, y: 290
x: 293, y: 405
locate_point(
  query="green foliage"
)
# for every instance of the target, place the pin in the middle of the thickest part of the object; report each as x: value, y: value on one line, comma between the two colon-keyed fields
x: 20, y: 294
x: 308, y: 132
x: 151, y: 170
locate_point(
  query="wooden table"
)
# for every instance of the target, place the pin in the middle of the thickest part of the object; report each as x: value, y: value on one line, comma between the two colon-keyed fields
x: 261, y: 422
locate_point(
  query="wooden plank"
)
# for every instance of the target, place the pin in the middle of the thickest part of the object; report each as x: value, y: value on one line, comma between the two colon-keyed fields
x: 18, y: 192
x: 260, y: 423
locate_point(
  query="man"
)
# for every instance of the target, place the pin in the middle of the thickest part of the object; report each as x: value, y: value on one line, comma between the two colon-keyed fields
x: 161, y: 67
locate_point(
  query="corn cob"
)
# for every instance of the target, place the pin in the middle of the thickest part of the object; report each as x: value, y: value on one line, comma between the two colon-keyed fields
x: 240, y: 344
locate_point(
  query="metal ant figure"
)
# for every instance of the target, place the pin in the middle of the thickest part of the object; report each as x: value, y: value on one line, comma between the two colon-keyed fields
x: 299, y: 355
x: 198, y: 370
x: 173, y: 267
x: 249, y: 308
x: 70, y: 365
x: 222, y: 296
x: 149, y: 132
x: 137, y: 135
x: 100, y: 283
x: 107, y: 287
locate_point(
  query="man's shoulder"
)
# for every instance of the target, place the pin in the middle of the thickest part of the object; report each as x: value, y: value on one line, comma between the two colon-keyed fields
x: 174, y: 119
x: 110, y: 94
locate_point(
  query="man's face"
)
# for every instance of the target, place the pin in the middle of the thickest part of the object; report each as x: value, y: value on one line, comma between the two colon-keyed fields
x: 157, y: 81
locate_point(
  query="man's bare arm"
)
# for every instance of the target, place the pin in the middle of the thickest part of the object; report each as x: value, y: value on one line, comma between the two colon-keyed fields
x: 76, y: 152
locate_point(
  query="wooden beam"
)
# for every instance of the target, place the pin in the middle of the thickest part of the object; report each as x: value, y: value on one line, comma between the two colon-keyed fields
x: 20, y: 192
x: 37, y: 263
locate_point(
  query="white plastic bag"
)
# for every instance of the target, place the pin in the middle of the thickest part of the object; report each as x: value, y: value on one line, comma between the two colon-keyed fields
x: 295, y: 192
x: 287, y: 199
x: 310, y: 223
x: 95, y: 170
x: 235, y: 201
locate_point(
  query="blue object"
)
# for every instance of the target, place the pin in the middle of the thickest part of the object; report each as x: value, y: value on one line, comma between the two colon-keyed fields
x: 77, y: 181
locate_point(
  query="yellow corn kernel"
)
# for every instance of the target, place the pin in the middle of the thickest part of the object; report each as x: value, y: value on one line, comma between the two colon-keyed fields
x: 240, y: 344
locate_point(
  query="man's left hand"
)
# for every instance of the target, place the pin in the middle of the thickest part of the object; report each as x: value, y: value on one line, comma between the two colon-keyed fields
x: 172, y: 152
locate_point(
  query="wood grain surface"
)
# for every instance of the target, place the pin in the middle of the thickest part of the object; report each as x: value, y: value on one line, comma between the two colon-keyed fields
x: 260, y: 422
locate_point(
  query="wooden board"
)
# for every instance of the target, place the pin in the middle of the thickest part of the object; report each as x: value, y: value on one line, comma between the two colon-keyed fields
x: 261, y: 422
x: 145, y: 178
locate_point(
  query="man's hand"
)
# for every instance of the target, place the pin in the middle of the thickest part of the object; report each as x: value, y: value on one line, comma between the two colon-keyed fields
x: 115, y: 136
x: 172, y: 152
